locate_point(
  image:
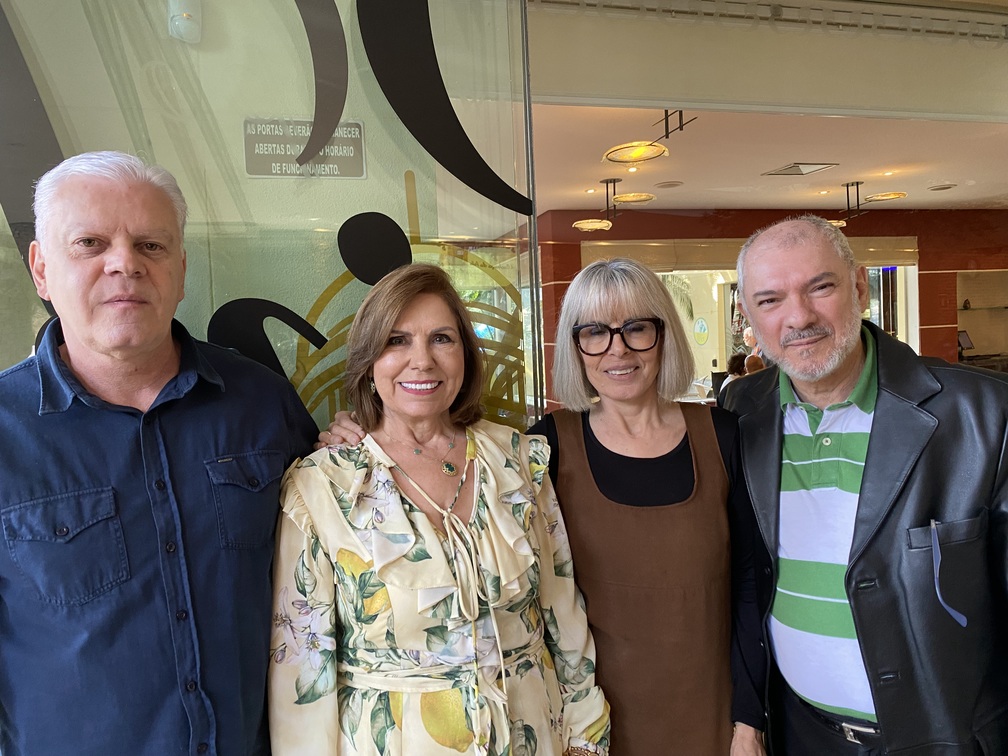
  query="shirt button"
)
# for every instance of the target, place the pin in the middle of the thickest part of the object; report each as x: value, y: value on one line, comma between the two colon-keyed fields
x: 181, y: 614
x: 170, y: 547
x: 254, y: 482
x: 62, y: 531
x: 827, y: 441
x: 202, y: 748
x: 190, y: 686
x: 159, y: 484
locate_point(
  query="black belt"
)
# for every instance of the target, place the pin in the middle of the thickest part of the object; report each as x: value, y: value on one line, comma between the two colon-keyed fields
x: 858, y: 731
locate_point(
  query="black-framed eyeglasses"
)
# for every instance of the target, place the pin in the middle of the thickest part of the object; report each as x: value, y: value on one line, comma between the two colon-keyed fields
x: 639, y: 335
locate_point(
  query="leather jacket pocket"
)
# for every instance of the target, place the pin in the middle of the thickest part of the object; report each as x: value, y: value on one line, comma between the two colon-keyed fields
x: 68, y: 546
x: 246, y: 489
x: 954, y: 531
x: 958, y: 555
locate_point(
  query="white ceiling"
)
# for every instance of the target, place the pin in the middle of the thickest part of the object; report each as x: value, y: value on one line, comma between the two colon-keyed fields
x: 721, y: 156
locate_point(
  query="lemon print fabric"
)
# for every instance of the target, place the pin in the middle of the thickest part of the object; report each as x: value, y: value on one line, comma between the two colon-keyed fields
x: 369, y: 595
x: 395, y: 705
x: 437, y: 722
x: 375, y: 650
x: 444, y: 718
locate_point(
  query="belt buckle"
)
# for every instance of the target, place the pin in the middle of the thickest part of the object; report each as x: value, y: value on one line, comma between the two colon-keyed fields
x: 851, y: 731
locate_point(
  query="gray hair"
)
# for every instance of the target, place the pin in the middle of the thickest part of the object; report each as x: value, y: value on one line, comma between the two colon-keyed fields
x: 814, y: 226
x: 115, y: 166
x: 600, y: 291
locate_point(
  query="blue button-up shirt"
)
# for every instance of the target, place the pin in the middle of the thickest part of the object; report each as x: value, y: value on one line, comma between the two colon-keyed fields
x: 135, y: 569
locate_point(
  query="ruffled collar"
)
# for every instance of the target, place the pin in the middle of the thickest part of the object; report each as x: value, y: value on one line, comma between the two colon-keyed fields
x: 406, y: 548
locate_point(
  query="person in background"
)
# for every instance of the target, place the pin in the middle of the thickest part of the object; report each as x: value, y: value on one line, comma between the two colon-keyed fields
x: 753, y: 364
x: 425, y: 600
x: 749, y: 339
x: 652, y: 492
x: 139, y: 492
x: 736, y: 368
x: 880, y: 485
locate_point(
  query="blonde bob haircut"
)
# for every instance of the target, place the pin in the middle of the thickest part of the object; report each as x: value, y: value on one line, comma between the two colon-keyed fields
x: 373, y: 325
x: 610, y: 290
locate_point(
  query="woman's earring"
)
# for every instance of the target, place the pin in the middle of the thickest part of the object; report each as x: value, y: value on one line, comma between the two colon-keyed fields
x: 373, y: 389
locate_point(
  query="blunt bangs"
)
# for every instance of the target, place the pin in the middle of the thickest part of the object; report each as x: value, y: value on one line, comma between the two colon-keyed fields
x: 610, y: 290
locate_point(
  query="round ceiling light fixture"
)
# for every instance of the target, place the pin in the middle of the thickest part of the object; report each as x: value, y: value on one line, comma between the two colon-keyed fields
x: 885, y: 196
x: 635, y: 152
x: 632, y: 198
x: 668, y: 184
x: 592, y: 224
x: 941, y: 187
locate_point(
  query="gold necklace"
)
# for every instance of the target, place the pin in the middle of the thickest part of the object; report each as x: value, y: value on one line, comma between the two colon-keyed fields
x: 448, y: 468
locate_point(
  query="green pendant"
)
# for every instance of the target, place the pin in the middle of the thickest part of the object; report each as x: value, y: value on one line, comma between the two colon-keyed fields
x: 449, y: 469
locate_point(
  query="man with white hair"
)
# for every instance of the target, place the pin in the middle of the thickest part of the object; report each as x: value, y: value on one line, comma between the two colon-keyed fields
x: 139, y: 491
x: 879, y: 481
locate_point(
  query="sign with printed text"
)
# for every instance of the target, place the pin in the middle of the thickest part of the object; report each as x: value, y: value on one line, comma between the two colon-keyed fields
x: 272, y: 146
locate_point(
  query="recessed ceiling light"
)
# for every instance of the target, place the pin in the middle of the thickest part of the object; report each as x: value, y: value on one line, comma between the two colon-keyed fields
x: 589, y: 191
x: 884, y: 196
x: 592, y: 224
x: 824, y: 191
x: 668, y: 184
x: 888, y: 173
x: 632, y: 198
x: 941, y: 187
x: 635, y: 152
x: 632, y: 169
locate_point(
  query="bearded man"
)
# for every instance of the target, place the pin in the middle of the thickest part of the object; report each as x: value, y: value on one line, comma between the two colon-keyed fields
x: 879, y: 481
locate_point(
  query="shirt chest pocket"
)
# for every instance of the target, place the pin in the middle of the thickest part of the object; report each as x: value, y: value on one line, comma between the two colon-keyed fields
x: 246, y: 489
x: 69, y: 546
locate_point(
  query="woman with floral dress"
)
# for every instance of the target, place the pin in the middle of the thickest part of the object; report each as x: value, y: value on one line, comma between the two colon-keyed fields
x: 425, y: 603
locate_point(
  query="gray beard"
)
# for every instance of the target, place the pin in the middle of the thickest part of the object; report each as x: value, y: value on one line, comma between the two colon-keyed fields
x: 846, y: 344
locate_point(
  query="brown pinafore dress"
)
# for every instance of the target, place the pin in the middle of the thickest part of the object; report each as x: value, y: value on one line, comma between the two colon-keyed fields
x: 656, y: 581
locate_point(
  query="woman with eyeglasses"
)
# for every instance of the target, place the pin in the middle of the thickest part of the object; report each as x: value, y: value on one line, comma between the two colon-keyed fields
x: 651, y: 489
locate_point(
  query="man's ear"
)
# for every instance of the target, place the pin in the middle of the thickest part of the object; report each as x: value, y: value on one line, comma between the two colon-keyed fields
x: 861, y: 286
x: 742, y: 308
x: 36, y: 263
x: 182, y: 282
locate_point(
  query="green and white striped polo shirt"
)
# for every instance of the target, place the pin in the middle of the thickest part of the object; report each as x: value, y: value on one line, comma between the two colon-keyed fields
x: 811, y: 625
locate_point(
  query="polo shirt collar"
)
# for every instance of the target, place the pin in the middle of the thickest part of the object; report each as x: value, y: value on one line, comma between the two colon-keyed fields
x: 59, y: 385
x: 864, y: 393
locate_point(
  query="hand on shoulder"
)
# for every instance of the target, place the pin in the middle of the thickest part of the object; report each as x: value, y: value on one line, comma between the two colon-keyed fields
x: 342, y: 431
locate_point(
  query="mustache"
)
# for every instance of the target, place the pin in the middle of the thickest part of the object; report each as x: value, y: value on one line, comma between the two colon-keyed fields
x: 806, y: 333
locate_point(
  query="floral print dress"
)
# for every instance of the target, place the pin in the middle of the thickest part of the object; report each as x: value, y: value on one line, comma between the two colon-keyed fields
x: 390, y: 637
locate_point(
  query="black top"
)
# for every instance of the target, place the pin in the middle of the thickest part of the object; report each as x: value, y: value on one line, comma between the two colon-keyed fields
x: 649, y: 481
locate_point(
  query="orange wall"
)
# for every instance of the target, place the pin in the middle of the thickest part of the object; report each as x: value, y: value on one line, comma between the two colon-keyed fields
x: 948, y: 241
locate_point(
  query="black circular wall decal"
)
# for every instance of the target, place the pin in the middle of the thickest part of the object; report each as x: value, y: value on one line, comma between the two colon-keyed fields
x: 371, y: 245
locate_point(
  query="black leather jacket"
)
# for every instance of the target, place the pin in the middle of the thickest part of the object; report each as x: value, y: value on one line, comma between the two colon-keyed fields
x: 938, y: 451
